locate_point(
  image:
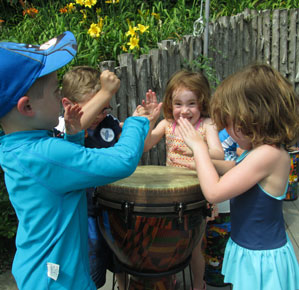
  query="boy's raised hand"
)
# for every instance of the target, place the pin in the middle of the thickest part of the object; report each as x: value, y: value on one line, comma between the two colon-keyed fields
x: 72, y: 117
x: 109, y: 82
x: 151, y: 113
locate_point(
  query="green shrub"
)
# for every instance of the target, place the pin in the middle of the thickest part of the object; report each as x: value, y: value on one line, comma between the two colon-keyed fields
x: 104, y: 29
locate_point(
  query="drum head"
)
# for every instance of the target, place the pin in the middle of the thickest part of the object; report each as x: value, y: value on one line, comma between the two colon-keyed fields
x: 155, y: 185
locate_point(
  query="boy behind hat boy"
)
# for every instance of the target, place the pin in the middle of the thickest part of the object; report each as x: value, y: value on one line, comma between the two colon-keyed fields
x: 46, y: 177
x: 79, y: 86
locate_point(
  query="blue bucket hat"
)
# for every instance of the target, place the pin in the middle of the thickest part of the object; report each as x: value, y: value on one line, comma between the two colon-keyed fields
x: 21, y: 64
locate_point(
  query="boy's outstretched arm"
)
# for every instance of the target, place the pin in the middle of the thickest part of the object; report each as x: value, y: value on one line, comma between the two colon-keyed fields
x: 109, y: 86
x: 151, y: 114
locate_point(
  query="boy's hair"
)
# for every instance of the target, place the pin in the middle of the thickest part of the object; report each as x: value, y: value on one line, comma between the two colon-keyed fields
x: 80, y: 83
x: 22, y: 64
x: 196, y: 82
x: 36, y: 91
x: 260, y: 102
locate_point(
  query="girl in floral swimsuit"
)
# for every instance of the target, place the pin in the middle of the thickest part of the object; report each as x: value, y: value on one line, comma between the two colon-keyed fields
x: 187, y: 95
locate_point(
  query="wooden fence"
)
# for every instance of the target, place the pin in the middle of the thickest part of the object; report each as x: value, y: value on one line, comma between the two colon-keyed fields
x: 270, y: 37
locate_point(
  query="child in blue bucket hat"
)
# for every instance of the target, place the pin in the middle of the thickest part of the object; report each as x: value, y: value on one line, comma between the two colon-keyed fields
x: 45, y: 176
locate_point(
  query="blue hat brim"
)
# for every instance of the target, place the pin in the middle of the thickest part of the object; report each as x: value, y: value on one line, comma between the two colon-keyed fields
x: 22, y: 64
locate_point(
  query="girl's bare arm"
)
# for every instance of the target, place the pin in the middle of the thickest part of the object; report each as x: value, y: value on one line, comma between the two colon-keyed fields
x: 155, y: 135
x: 254, y: 168
x: 213, y: 141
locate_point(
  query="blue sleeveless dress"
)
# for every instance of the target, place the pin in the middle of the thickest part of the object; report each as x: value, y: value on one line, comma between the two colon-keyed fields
x: 259, y: 254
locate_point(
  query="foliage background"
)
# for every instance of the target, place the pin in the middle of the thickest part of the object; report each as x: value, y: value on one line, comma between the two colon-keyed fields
x: 115, y: 23
x: 38, y: 21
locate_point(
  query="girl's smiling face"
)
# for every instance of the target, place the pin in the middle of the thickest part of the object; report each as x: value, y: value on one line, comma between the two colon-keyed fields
x: 185, y: 105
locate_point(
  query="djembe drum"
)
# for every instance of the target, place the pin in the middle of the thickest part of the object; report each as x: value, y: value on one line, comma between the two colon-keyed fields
x: 152, y: 221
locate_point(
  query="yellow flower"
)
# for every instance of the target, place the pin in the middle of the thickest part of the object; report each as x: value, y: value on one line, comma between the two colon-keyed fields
x: 131, y: 31
x: 112, y: 1
x: 84, y: 13
x: 134, y: 42
x: 123, y: 47
x: 89, y: 3
x: 94, y: 30
x: 142, y: 28
x: 98, y: 11
x: 101, y: 23
x: 80, y: 2
x: 70, y: 6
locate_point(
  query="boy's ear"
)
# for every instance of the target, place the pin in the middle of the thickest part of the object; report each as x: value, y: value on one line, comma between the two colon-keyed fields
x: 66, y: 102
x: 24, y: 106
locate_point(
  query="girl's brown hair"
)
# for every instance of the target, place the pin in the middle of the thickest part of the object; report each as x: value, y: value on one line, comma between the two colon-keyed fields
x: 196, y: 82
x: 260, y: 102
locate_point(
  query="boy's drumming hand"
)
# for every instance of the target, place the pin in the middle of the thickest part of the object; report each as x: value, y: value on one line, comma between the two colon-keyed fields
x: 72, y: 117
x: 109, y: 82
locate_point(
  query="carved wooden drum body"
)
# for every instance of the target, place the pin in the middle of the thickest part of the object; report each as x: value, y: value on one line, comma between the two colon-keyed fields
x: 153, y: 219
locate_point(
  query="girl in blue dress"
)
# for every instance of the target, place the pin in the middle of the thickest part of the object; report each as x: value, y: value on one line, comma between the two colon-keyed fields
x: 259, y: 109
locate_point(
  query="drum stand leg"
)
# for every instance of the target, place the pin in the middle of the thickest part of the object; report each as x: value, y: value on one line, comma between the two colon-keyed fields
x: 191, y: 278
x: 113, y: 281
x: 184, y: 280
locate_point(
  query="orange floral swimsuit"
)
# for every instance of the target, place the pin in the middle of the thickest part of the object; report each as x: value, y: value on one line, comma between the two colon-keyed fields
x: 173, y: 142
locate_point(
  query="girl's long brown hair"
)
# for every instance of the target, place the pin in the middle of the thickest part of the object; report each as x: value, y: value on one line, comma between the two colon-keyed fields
x: 196, y: 82
x: 261, y: 103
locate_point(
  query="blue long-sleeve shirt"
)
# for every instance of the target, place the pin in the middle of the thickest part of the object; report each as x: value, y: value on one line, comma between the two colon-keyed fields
x: 46, y: 179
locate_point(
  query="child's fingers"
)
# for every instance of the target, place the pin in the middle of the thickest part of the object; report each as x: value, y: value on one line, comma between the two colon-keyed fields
x: 148, y: 96
x: 185, y: 126
x: 67, y: 108
x: 137, y: 111
x: 185, y: 151
x: 151, y: 97
x: 182, y: 128
x: 183, y: 163
x: 76, y: 109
